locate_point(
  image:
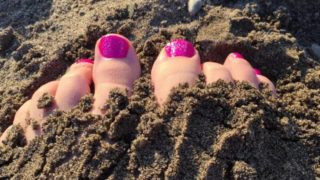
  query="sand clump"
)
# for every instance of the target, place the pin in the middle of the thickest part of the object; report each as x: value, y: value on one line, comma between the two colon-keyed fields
x: 219, y: 131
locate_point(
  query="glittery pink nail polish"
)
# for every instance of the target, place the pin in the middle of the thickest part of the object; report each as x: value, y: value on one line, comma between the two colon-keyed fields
x: 112, y: 46
x: 237, y: 55
x: 257, y: 71
x: 180, y: 47
x: 85, y: 61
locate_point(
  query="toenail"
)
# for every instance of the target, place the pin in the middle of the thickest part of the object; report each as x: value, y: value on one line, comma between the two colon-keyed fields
x: 85, y: 61
x: 180, y: 48
x: 237, y: 55
x: 257, y: 71
x: 112, y: 46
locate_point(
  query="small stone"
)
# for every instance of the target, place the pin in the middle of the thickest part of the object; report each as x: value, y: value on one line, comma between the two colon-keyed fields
x: 164, y: 22
x: 316, y: 49
x: 194, y: 6
x: 283, y: 31
x: 131, y: 9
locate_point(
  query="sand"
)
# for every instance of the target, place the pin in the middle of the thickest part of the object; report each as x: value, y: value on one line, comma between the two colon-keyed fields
x: 220, y: 131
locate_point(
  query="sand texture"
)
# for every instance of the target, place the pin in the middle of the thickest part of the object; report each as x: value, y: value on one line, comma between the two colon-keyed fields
x: 220, y: 131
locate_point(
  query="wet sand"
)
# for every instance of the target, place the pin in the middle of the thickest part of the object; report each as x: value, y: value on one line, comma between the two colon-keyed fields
x: 220, y: 131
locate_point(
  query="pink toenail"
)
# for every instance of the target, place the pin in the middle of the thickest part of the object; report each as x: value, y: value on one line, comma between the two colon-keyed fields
x: 237, y: 55
x: 85, y: 61
x: 180, y: 48
x: 112, y: 46
x: 257, y: 71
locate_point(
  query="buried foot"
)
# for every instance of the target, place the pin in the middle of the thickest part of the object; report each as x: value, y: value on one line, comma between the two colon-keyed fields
x: 116, y: 66
x: 179, y: 62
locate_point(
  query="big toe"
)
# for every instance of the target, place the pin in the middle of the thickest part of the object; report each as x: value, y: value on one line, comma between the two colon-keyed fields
x: 178, y: 62
x: 116, y: 66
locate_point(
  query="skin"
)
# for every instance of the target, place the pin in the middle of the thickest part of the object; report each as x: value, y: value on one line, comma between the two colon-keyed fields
x: 168, y: 72
x: 110, y: 73
x: 241, y: 70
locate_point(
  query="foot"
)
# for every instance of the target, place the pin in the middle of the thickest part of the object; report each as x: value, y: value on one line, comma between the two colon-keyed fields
x: 116, y: 66
x: 179, y: 62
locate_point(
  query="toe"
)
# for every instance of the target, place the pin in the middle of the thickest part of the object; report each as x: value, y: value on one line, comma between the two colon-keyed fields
x: 177, y: 63
x: 74, y: 84
x: 241, y: 69
x: 22, y: 114
x: 30, y: 111
x: 116, y: 66
x: 265, y: 80
x: 215, y: 71
x: 4, y: 135
x: 66, y: 92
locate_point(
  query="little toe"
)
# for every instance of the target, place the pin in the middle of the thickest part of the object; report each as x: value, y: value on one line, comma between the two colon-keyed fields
x: 116, y: 66
x: 265, y: 80
x: 240, y: 69
x: 22, y: 114
x: 19, y: 119
x: 74, y: 84
x: 177, y: 63
x: 66, y: 92
x: 4, y: 135
x: 215, y: 71
x: 29, y: 110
